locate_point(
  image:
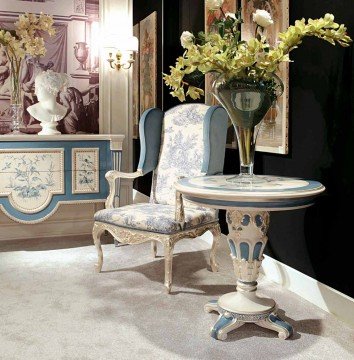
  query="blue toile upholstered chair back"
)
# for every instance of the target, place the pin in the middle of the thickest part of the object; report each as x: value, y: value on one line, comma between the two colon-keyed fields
x: 188, y: 140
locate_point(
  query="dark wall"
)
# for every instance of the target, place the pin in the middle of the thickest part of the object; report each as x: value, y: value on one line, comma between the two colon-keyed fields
x: 321, y: 136
x: 321, y: 148
x: 321, y: 145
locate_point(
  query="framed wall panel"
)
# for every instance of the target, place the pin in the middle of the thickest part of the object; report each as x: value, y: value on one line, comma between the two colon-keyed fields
x: 273, y: 134
x: 136, y: 86
x: 210, y: 16
x: 148, y: 62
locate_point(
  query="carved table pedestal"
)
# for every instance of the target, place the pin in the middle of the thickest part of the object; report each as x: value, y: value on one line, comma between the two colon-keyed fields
x: 248, y: 212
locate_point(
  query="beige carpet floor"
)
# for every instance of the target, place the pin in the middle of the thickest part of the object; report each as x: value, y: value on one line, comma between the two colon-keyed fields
x: 53, y: 306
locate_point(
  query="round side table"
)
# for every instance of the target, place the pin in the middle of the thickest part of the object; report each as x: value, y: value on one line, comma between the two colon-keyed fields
x: 247, y: 215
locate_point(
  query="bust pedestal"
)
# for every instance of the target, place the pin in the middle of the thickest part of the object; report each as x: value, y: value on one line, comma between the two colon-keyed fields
x: 49, y: 128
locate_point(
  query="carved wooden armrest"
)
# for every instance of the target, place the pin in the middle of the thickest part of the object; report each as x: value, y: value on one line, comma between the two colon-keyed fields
x: 179, y: 207
x: 111, y: 177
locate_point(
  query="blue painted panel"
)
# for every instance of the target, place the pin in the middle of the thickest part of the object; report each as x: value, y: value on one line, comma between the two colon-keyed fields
x: 150, y: 127
x: 232, y: 247
x: 214, y: 139
x: 259, y: 220
x: 213, y: 302
x: 245, y: 250
x: 105, y: 164
x: 276, y: 320
x: 290, y: 203
x: 220, y: 324
x: 257, y: 250
x: 245, y: 220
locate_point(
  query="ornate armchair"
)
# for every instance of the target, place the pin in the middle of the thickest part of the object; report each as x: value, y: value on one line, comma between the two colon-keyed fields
x: 187, y: 140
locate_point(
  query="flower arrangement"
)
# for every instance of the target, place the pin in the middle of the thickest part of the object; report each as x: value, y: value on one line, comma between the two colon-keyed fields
x: 22, y: 41
x: 253, y: 61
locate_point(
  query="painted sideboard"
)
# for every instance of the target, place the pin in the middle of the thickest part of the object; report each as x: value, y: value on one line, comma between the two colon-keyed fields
x: 38, y: 173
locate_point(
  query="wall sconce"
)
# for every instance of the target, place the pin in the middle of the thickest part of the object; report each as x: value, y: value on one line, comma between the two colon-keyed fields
x: 121, y: 54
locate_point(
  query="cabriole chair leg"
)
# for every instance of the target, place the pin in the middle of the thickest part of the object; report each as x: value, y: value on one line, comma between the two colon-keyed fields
x: 96, y: 234
x: 216, y: 240
x: 168, y: 248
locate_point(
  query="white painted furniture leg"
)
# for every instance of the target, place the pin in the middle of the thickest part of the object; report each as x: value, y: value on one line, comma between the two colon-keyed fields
x: 168, y: 247
x: 247, y: 239
x: 216, y: 241
x: 96, y: 234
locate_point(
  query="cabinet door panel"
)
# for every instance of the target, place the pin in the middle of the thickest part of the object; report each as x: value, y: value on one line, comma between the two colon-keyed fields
x: 86, y: 170
x: 31, y: 177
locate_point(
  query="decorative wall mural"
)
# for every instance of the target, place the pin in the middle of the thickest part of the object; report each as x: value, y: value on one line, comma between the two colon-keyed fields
x: 273, y: 134
x: 136, y: 93
x: 76, y: 22
x: 148, y: 64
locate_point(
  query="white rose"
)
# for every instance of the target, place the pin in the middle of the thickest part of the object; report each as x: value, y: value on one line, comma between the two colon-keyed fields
x: 230, y: 15
x: 187, y: 39
x: 262, y: 18
x: 214, y: 4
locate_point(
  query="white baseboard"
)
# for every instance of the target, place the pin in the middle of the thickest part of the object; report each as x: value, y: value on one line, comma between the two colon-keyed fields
x: 321, y: 295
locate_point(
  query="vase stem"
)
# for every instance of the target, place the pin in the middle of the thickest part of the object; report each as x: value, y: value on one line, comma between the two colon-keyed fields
x: 246, y: 144
x: 246, y: 170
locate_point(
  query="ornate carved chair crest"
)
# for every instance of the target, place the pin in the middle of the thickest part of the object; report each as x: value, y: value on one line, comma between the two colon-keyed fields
x: 187, y: 140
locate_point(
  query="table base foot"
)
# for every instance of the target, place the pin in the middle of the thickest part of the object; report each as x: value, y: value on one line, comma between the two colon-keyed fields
x: 274, y: 322
x: 229, y: 321
x: 211, y: 306
x: 225, y: 323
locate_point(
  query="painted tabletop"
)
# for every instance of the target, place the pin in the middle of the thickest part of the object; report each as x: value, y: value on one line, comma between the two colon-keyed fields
x: 275, y: 193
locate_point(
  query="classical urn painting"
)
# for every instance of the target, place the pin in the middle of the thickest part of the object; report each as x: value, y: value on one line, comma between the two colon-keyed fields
x: 72, y: 50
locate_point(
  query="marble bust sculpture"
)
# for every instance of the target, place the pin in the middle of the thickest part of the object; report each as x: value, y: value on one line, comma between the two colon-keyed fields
x: 47, y: 110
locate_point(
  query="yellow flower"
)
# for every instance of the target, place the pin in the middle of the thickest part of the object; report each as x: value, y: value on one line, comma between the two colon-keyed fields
x: 27, y: 41
x: 254, y: 59
x: 194, y: 92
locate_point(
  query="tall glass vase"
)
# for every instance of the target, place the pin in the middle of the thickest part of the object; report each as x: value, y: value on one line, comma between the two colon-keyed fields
x: 246, y: 103
x: 16, y: 95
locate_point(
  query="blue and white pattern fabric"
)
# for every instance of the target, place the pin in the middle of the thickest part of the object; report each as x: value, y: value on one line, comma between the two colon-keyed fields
x: 154, y: 217
x: 182, y: 150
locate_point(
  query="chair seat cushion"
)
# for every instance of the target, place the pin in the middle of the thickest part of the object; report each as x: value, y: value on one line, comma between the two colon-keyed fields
x: 154, y: 217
